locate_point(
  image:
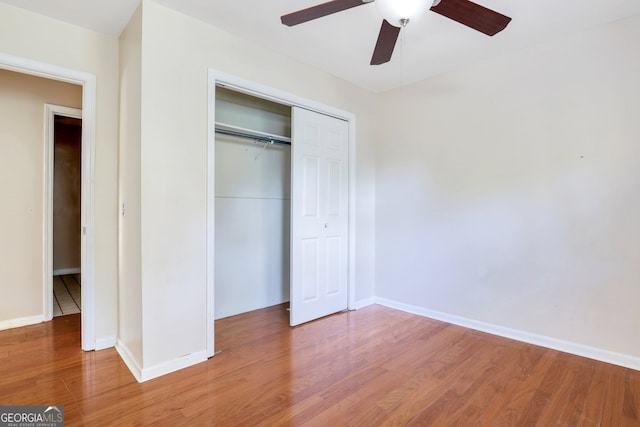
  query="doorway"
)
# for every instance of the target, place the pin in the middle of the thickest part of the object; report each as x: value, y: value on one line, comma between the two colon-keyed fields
x: 307, y: 269
x: 63, y: 210
x: 67, y: 209
x: 88, y: 83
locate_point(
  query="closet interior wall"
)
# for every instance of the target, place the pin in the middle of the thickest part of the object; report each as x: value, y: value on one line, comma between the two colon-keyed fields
x: 252, y: 206
x: 67, y: 204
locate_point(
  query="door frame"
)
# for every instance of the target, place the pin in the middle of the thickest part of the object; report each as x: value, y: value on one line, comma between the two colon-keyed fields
x: 219, y: 78
x: 50, y: 112
x: 88, y: 83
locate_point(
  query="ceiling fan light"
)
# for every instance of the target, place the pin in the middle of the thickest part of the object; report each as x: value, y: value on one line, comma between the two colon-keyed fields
x: 399, y: 12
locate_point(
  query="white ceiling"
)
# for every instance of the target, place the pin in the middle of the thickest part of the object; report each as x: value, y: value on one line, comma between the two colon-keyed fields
x: 341, y: 44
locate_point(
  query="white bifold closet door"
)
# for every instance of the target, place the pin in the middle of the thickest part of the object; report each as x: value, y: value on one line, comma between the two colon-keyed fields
x: 319, y: 216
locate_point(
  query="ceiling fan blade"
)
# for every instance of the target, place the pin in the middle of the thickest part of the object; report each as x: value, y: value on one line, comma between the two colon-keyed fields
x: 319, y: 11
x: 385, y: 44
x: 473, y: 15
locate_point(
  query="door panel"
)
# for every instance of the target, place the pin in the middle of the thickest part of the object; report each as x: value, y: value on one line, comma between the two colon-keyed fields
x: 334, y: 189
x: 309, y: 280
x: 333, y: 265
x: 310, y: 190
x: 319, y: 216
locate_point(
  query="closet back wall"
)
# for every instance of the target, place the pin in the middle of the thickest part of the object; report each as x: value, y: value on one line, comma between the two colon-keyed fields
x: 66, y: 195
x: 252, y: 207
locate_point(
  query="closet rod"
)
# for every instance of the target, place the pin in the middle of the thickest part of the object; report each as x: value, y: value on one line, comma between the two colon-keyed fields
x: 263, y: 138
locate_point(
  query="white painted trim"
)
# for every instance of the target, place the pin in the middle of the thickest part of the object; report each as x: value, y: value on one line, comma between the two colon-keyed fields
x: 21, y: 321
x: 50, y: 111
x: 41, y: 69
x: 65, y: 271
x: 170, y: 366
x: 88, y: 299
x: 594, y: 353
x: 88, y: 83
x: 106, y: 342
x: 351, y: 302
x: 276, y: 95
x: 163, y: 368
x: 360, y: 304
x: 211, y: 208
x: 129, y: 360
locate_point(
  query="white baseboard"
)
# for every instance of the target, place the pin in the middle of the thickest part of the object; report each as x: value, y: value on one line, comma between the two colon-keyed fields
x: 21, y: 321
x: 145, y: 374
x: 595, y: 353
x: 173, y: 365
x: 107, y: 342
x: 129, y: 360
x: 363, y: 303
x: 64, y: 271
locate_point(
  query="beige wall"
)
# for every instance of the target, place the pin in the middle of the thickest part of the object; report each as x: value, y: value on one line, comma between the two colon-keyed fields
x: 22, y: 100
x: 129, y: 274
x: 173, y: 168
x: 28, y: 35
x: 507, y: 192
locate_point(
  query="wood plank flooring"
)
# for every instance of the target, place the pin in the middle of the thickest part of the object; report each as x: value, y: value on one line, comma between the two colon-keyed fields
x: 372, y: 367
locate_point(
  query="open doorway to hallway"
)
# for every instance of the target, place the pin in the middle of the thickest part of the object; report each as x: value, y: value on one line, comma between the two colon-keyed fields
x: 41, y: 145
x: 26, y: 226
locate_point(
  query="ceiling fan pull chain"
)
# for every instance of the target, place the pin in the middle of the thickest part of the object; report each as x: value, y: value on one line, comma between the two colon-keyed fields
x: 403, y: 37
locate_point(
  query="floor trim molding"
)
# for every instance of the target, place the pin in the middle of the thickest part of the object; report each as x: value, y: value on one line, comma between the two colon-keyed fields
x: 594, y: 353
x: 173, y: 365
x: 106, y: 342
x: 146, y: 374
x: 129, y: 360
x: 21, y: 321
x: 362, y: 303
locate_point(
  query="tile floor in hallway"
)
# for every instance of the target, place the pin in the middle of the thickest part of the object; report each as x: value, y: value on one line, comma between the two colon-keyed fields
x: 66, y: 294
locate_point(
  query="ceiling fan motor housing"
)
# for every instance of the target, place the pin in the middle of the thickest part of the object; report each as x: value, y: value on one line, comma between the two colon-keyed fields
x: 400, y: 12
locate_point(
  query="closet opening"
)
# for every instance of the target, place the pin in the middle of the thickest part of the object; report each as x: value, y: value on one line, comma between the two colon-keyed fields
x: 280, y: 208
x: 67, y: 209
x: 252, y: 203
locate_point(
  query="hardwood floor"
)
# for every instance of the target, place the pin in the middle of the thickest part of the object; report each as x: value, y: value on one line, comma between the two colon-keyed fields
x: 372, y: 367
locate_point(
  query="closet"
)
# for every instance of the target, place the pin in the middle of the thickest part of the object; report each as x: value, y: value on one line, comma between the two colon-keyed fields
x: 282, y: 220
x: 252, y: 203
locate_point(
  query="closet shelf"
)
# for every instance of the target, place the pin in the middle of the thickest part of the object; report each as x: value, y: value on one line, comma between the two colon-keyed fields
x: 227, y: 129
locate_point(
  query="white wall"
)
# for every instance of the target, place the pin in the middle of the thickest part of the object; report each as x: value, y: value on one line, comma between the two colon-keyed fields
x: 507, y: 193
x: 197, y: 46
x: 253, y: 204
x: 22, y: 143
x: 129, y: 273
x: 28, y: 35
x: 252, y: 113
x: 176, y: 54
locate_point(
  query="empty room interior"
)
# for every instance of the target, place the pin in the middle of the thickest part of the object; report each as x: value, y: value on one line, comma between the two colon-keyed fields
x: 308, y: 213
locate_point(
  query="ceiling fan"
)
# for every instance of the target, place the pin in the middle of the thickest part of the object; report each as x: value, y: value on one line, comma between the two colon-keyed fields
x: 398, y: 13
